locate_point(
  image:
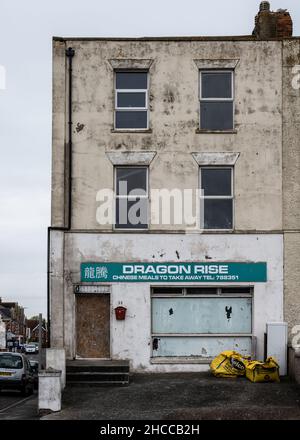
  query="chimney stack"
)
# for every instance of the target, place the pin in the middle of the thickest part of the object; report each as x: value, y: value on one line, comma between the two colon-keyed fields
x: 269, y: 24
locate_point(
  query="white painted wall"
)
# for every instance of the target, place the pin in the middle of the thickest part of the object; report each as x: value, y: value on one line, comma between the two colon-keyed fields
x: 130, y: 339
x: 50, y: 390
x: 56, y: 359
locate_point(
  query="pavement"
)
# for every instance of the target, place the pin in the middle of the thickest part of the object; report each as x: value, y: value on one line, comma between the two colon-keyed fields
x: 183, y: 396
x: 15, y: 407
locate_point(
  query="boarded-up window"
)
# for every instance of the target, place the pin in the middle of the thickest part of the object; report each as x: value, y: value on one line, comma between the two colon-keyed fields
x: 202, y: 326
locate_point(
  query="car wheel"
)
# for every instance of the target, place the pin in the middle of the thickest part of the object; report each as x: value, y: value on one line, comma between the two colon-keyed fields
x: 25, y: 391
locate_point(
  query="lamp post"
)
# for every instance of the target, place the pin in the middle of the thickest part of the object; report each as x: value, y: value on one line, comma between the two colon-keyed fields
x: 40, y: 340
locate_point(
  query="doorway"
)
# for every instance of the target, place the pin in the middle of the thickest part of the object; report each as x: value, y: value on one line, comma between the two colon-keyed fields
x: 93, y: 326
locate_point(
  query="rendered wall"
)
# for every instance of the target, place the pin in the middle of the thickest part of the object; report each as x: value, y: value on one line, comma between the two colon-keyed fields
x: 130, y: 339
x: 291, y: 183
x: 174, y: 116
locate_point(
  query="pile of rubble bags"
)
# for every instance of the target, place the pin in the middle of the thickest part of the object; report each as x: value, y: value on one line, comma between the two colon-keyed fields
x: 233, y: 364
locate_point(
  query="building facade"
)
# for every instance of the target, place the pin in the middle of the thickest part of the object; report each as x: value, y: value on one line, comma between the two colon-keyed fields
x: 175, y: 195
x: 13, y: 316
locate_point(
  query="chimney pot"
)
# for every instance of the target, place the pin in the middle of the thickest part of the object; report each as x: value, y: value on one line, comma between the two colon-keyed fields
x: 264, y: 6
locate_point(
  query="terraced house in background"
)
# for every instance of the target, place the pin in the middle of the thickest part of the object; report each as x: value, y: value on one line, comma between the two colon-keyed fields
x: 144, y: 128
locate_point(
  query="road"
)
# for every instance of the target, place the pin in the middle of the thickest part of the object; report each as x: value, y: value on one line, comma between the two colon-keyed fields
x: 35, y: 357
x: 14, y: 406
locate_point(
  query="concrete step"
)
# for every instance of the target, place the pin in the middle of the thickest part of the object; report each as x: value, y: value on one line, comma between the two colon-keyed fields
x: 113, y: 383
x: 97, y: 369
x: 108, y: 376
x: 97, y: 366
x: 97, y: 372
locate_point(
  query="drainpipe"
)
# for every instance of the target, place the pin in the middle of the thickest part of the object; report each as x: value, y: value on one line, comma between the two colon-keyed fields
x: 48, y: 287
x: 68, y: 158
x: 70, y: 54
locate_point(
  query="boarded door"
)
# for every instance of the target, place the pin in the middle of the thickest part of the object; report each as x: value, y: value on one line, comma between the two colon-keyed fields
x: 92, y: 326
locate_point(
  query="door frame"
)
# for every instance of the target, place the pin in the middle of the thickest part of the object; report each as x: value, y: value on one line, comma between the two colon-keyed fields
x: 77, y: 357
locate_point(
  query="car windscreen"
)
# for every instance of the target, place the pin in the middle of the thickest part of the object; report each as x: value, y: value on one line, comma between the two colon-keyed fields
x: 11, y: 361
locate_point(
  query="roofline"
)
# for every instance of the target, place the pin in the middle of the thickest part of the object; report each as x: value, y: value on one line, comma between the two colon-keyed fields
x: 43, y: 328
x: 182, y: 38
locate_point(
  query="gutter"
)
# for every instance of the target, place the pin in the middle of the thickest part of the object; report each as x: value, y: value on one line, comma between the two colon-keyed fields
x: 177, y: 38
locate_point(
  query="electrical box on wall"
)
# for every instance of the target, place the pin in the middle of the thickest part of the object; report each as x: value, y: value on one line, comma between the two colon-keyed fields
x: 277, y: 340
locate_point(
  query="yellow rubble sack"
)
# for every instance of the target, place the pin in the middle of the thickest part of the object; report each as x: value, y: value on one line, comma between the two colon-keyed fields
x: 229, y: 364
x: 258, y: 371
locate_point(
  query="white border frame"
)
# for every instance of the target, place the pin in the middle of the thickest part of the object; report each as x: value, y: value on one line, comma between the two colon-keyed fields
x: 231, y: 197
x: 126, y: 109
x: 117, y: 91
x: 131, y: 197
x: 232, y: 99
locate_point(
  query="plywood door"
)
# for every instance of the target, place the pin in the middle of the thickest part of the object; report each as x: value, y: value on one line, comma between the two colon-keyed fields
x: 92, y: 326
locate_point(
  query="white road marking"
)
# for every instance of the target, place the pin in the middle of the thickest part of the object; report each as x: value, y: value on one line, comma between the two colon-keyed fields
x: 16, y: 403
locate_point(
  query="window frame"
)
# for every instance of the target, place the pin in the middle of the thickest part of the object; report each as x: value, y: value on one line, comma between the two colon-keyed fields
x: 116, y: 196
x: 231, y: 197
x: 184, y: 294
x: 232, y: 99
x: 128, y: 109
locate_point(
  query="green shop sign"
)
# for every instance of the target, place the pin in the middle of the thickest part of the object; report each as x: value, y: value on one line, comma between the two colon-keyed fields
x: 174, y: 272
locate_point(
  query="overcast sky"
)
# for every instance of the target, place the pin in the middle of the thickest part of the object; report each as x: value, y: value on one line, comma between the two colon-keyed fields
x: 26, y: 30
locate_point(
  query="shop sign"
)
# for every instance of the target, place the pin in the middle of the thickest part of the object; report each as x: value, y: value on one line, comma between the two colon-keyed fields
x: 81, y: 288
x: 174, y: 272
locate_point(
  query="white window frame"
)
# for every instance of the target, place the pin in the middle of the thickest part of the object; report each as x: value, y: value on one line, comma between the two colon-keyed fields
x: 231, y: 197
x: 218, y: 294
x: 232, y: 99
x: 130, y: 198
x: 126, y: 109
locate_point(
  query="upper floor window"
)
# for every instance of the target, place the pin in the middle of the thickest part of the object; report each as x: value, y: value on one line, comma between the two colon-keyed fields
x: 131, y: 100
x: 217, y: 186
x: 216, y: 100
x: 131, y: 197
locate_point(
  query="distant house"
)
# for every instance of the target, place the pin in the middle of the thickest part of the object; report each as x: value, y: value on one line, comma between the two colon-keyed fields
x: 5, y: 313
x: 13, y: 316
x: 33, y: 331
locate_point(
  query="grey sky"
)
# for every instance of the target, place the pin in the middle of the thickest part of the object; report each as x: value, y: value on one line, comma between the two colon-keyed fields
x: 26, y: 30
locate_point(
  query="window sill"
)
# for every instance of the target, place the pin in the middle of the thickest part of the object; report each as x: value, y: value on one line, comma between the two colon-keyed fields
x: 171, y: 231
x: 130, y: 229
x: 134, y: 130
x: 217, y: 231
x: 180, y: 360
x: 199, y: 131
